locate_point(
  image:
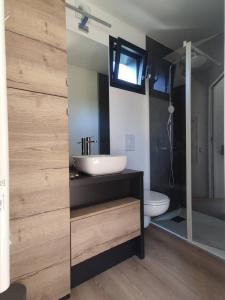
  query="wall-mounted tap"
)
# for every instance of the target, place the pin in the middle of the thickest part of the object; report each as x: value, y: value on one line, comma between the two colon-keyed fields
x: 83, y: 146
x: 86, y: 145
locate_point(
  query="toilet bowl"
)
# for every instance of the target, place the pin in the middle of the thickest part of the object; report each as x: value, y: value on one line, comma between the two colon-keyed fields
x: 155, y: 204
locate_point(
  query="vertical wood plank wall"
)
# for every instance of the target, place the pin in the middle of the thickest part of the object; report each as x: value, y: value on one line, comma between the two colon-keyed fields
x: 38, y: 133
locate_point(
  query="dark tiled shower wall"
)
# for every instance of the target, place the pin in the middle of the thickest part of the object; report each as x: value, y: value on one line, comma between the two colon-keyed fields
x: 159, y: 143
x: 180, y: 143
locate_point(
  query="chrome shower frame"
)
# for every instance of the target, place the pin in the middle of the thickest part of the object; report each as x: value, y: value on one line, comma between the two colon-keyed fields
x: 188, y: 46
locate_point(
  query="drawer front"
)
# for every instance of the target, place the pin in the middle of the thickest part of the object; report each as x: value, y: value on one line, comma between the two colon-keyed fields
x: 95, y: 234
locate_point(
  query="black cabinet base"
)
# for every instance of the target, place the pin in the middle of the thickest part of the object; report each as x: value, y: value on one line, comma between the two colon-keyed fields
x: 16, y: 291
x: 100, y: 263
x: 65, y: 297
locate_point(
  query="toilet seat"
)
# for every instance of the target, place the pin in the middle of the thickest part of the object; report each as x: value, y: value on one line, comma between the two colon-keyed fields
x: 155, y: 204
x: 155, y: 198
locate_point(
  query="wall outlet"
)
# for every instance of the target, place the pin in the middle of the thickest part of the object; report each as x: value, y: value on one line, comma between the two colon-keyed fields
x: 129, y: 142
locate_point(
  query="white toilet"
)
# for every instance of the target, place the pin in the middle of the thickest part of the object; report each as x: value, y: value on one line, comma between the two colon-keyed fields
x: 155, y: 204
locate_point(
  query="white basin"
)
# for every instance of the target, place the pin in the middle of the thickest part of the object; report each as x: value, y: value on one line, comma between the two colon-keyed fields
x: 100, y: 164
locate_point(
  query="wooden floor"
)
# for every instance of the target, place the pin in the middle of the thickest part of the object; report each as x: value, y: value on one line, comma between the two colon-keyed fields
x: 172, y: 269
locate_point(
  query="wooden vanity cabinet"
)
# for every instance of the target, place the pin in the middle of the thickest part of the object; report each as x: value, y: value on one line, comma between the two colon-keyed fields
x: 101, y: 227
x: 107, y: 230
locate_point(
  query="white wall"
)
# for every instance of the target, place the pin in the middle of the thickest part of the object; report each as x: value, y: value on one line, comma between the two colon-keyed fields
x: 99, y: 32
x: 129, y: 112
x: 83, y: 107
x: 129, y: 115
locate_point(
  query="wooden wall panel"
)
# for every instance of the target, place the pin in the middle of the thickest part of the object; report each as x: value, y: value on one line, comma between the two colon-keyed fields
x: 37, y: 191
x: 46, y: 20
x: 38, y: 140
x: 35, y: 66
x: 38, y: 130
x: 50, y: 283
x: 35, y: 240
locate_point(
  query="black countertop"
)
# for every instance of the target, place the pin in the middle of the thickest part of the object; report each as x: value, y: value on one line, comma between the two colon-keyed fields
x: 84, y: 179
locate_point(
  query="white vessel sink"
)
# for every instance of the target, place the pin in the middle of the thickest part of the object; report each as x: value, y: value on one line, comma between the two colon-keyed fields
x: 100, y: 164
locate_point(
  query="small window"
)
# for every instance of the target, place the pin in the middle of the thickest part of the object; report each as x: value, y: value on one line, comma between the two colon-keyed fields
x: 159, y: 84
x: 127, y: 66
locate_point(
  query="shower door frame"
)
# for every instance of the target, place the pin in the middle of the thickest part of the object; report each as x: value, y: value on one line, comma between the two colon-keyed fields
x: 188, y: 47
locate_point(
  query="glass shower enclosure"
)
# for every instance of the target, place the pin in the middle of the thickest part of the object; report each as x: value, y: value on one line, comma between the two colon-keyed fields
x: 206, y: 116
x: 198, y: 98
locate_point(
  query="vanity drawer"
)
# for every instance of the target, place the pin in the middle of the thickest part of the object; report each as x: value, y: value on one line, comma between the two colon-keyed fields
x: 101, y: 227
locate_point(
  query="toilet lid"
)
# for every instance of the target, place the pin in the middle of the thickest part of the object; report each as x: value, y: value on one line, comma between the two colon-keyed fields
x: 155, y: 198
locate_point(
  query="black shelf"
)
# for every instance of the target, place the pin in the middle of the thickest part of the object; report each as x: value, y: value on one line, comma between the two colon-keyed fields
x: 84, y: 179
x: 89, y: 190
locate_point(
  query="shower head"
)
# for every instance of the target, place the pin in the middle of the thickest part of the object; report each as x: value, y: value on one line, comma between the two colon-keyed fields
x: 198, y: 57
x: 197, y: 60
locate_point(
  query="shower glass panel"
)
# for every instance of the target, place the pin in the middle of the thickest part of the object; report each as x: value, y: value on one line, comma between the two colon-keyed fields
x: 187, y: 144
x: 168, y: 144
x: 207, y: 143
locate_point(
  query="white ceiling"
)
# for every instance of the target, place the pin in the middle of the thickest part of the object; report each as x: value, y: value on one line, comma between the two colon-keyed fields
x: 169, y: 21
x: 86, y: 53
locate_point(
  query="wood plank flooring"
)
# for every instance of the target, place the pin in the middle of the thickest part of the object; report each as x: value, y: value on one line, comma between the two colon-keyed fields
x: 172, y: 269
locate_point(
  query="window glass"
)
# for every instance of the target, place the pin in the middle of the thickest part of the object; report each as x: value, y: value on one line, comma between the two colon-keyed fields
x: 127, y: 66
x: 128, y: 69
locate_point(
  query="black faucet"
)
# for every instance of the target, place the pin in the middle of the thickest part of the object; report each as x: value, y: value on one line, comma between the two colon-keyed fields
x: 86, y: 145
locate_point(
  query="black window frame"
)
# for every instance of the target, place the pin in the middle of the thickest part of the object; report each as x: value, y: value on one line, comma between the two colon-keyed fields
x: 162, y: 68
x: 115, y: 51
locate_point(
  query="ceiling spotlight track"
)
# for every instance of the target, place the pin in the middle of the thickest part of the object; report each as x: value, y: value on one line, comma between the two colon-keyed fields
x: 85, y: 17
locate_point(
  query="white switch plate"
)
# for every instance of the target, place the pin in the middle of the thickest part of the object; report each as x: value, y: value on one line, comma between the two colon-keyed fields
x: 130, y: 142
